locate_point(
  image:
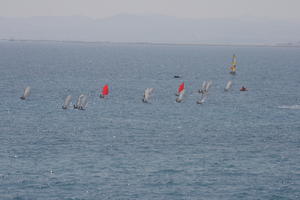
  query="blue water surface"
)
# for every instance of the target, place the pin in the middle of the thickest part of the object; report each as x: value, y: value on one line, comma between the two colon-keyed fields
x: 237, y: 145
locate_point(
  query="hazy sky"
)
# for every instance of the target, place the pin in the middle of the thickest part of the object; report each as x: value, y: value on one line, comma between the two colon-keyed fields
x: 274, y: 9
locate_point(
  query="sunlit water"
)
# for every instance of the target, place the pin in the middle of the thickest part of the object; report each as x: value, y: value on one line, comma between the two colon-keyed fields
x: 237, y: 145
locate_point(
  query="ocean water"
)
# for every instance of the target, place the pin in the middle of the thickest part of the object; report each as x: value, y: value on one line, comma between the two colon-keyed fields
x: 237, y: 145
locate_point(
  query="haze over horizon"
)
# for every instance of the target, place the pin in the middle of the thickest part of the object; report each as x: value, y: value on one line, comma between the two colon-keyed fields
x: 198, y: 9
x: 211, y: 21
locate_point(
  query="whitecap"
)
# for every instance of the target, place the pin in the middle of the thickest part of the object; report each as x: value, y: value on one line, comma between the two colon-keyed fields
x: 293, y: 107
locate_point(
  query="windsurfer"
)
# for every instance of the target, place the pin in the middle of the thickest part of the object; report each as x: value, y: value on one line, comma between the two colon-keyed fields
x: 201, y: 91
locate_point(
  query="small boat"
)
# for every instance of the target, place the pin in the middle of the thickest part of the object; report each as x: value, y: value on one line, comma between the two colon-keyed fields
x: 179, y: 99
x: 147, y: 94
x: 228, y: 86
x: 78, y: 103
x: 105, y: 91
x: 180, y: 89
x: 176, y: 76
x: 243, y: 89
x: 233, y: 65
x: 67, y: 102
x: 83, y: 103
x: 26, y: 93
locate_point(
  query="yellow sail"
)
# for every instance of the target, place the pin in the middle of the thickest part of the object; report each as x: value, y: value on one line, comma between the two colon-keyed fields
x: 233, y: 64
x: 234, y: 60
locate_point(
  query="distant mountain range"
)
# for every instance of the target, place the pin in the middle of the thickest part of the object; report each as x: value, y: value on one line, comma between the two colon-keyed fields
x: 151, y: 28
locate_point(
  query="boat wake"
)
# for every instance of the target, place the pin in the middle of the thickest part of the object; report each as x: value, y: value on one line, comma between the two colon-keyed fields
x: 293, y: 107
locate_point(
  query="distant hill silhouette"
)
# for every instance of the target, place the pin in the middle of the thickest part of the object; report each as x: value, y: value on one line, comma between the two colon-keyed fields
x: 151, y: 28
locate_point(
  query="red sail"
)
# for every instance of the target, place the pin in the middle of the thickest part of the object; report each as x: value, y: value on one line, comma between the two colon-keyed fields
x: 181, y: 87
x: 105, y: 90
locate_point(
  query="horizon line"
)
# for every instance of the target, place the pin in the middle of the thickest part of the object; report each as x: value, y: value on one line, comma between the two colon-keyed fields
x: 287, y: 44
x: 155, y: 14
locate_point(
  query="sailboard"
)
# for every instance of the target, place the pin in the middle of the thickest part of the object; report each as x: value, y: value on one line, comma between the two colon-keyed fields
x: 147, y: 94
x: 228, y: 86
x: 26, y: 93
x: 180, y: 89
x: 179, y: 99
x: 233, y: 65
x: 208, y: 85
x: 67, y: 102
x: 83, y: 103
x: 78, y: 103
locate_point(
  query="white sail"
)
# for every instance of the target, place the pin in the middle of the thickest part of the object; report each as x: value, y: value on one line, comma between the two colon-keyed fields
x: 207, y: 86
x: 228, y: 85
x: 26, y: 93
x: 83, y: 102
x: 67, y: 102
x: 147, y: 94
x: 78, y: 103
x: 180, y: 97
x: 203, y: 85
x: 151, y: 90
x: 202, y: 90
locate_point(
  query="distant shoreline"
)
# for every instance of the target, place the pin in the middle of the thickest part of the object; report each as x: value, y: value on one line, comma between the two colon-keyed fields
x: 158, y: 43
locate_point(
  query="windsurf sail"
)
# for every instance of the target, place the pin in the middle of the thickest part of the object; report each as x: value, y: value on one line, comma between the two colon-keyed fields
x: 202, y: 90
x: 181, y: 88
x: 67, y: 102
x: 203, y: 85
x: 208, y: 85
x: 105, y: 90
x: 228, y: 85
x: 83, y: 102
x: 78, y: 103
x: 147, y: 94
x: 180, y: 97
x: 26, y: 93
x: 233, y: 64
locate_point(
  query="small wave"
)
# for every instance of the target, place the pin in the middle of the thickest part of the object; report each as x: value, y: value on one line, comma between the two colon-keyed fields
x: 168, y: 171
x: 293, y: 107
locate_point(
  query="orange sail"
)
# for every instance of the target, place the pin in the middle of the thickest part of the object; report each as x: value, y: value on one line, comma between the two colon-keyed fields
x: 105, y: 90
x: 181, y: 87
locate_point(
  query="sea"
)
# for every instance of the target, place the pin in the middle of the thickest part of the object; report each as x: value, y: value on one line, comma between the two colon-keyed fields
x: 235, y: 146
